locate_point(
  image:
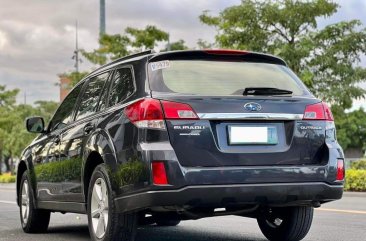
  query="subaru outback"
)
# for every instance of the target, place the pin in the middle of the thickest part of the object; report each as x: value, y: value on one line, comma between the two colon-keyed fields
x: 158, y: 138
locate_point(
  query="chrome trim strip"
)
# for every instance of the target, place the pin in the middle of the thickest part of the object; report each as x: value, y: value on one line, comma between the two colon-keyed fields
x: 249, y: 116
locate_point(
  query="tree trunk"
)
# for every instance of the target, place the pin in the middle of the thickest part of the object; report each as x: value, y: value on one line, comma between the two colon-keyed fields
x: 12, y: 167
x: 1, y: 157
x: 7, y: 163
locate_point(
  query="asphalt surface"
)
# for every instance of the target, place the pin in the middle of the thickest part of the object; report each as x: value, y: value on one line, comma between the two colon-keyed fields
x: 338, y: 221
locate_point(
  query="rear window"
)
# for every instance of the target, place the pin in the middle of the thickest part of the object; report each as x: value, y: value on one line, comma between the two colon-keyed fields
x: 217, y: 78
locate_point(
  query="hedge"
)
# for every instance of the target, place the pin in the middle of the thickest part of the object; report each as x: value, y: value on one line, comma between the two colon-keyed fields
x: 355, y: 180
x: 359, y: 165
x: 7, y: 178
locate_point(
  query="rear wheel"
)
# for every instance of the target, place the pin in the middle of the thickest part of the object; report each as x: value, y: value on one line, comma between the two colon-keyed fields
x: 105, y: 224
x: 286, y: 224
x: 33, y: 220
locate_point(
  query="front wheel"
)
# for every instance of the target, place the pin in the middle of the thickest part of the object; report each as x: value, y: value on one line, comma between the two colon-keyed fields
x: 286, y: 224
x: 105, y: 224
x: 33, y: 220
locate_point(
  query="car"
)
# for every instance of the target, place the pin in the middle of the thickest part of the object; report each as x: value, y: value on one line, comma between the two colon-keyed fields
x: 158, y: 138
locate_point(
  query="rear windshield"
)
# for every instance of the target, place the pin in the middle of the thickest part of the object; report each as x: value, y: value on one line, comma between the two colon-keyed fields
x: 216, y: 78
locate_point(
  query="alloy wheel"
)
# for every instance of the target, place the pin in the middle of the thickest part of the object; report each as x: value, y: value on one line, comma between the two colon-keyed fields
x: 25, y: 202
x: 99, y: 208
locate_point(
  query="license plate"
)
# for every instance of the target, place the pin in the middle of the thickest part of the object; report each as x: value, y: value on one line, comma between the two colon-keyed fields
x: 252, y: 135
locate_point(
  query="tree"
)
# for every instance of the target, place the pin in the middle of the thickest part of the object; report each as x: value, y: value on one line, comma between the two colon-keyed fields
x: 147, y: 38
x: 7, y: 97
x: 202, y: 44
x: 178, y: 45
x: 7, y: 102
x: 351, y: 128
x: 119, y: 45
x: 326, y: 59
x: 111, y: 47
x: 13, y: 135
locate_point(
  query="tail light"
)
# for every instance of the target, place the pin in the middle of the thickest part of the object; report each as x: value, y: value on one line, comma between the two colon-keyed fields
x: 159, y: 176
x: 151, y: 113
x: 176, y: 110
x: 319, y: 111
x: 340, y: 170
x: 146, y: 113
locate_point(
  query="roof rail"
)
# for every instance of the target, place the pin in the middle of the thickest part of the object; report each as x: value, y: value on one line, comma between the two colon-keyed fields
x: 150, y: 51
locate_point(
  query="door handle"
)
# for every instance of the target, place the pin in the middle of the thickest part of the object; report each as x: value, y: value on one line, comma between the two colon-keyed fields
x: 57, y: 140
x: 88, y: 128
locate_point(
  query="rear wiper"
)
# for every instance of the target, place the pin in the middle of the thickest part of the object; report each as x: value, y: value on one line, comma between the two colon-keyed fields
x: 265, y: 91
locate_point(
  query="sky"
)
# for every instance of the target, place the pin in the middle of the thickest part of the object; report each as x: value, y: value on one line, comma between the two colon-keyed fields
x: 37, y: 37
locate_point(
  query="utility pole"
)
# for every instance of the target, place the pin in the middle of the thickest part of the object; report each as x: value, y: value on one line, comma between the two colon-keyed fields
x: 25, y: 97
x: 102, y: 18
x: 76, y: 51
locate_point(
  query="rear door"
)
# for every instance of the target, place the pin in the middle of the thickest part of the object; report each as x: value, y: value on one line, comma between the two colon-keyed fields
x: 235, y: 128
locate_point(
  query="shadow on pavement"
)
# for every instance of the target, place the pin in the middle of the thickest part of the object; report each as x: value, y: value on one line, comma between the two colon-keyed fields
x: 153, y: 233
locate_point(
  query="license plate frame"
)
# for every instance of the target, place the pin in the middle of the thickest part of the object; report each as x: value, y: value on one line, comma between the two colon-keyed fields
x: 252, y: 135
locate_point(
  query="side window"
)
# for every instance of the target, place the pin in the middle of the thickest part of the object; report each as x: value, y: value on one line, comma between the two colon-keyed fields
x: 64, y: 113
x: 122, y: 86
x: 90, y: 98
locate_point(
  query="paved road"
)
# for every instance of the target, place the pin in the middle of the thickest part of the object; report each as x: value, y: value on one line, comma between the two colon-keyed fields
x: 338, y: 221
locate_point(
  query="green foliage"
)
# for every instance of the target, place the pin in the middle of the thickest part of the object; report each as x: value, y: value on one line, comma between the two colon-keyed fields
x: 359, y: 165
x: 7, y: 97
x: 334, y: 62
x: 202, y: 44
x: 75, y: 77
x: 351, y: 128
x: 13, y: 135
x: 146, y: 38
x: 179, y: 45
x: 326, y: 59
x: 7, y: 178
x: 46, y: 109
x: 59, y: 171
x: 119, y: 45
x: 111, y: 47
x: 355, y: 180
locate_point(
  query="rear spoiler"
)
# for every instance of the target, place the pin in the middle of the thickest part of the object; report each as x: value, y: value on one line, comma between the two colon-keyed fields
x: 222, y: 55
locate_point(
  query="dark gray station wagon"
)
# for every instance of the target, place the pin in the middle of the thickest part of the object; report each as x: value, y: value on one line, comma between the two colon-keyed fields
x: 161, y: 138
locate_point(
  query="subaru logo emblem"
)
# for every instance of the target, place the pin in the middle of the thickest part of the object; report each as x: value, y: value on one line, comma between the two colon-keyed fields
x: 252, y: 106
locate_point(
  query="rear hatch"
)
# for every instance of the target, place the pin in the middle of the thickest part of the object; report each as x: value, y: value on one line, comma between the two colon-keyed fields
x: 249, y: 110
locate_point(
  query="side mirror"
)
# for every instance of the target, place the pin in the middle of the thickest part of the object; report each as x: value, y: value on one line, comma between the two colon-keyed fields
x: 35, y: 124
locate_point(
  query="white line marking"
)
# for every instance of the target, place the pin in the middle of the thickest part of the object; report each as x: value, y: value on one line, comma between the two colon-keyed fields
x: 341, y: 211
x: 7, y: 202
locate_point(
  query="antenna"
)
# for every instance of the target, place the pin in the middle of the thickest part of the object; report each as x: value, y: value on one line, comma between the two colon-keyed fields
x: 76, y: 51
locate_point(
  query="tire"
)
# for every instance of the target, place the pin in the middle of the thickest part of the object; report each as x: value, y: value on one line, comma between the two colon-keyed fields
x: 165, y: 220
x: 32, y: 220
x: 101, y: 209
x: 286, y: 224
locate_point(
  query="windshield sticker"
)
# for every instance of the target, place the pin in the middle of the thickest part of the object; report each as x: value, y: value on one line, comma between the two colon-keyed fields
x: 160, y: 65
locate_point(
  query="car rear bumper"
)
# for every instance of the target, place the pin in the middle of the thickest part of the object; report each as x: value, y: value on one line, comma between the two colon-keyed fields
x: 271, y: 194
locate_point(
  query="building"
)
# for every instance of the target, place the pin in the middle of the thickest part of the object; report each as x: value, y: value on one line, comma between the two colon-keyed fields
x: 65, y: 86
